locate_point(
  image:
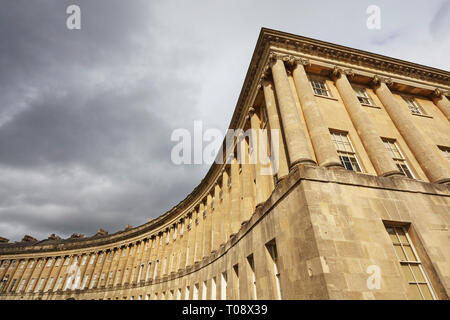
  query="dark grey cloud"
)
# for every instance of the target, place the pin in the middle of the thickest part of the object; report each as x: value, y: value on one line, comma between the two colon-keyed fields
x: 86, y: 115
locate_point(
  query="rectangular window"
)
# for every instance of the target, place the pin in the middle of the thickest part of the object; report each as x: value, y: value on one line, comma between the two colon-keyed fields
x: 94, y: 280
x: 251, y: 269
x: 13, y: 263
x: 186, y: 293
x: 419, y: 287
x: 156, y: 269
x: 86, y: 278
x: 22, y: 264
x: 40, y: 284
x: 445, y: 151
x: 413, y: 106
x: 147, y: 273
x: 58, y: 262
x: 49, y: 262
x: 273, y: 254
x: 92, y: 259
x: 236, y: 281
x: 31, y: 284
x: 345, y: 151
x: 362, y: 95
x: 213, y: 289
x: 49, y: 284
x: 58, y: 284
x: 4, y: 264
x: 147, y: 297
x: 195, y: 295
x: 204, y: 290
x: 13, y: 283
x: 397, y: 156
x: 320, y: 87
x: 83, y: 262
x: 223, y: 286
x: 22, y: 284
x: 179, y: 294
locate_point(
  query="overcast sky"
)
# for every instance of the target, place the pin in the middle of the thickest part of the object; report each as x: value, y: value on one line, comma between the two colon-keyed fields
x: 86, y: 115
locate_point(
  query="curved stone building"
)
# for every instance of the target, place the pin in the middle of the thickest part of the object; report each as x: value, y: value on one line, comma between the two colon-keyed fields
x: 359, y: 207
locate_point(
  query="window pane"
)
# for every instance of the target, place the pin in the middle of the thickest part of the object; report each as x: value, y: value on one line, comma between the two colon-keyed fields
x: 409, y: 253
x: 400, y: 254
x: 418, y: 273
x: 402, y: 236
x: 392, y: 235
x: 414, y: 293
x: 426, y: 292
x: 407, y: 272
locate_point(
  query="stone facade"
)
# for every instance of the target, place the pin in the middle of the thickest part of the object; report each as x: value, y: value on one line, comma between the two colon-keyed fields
x: 378, y: 230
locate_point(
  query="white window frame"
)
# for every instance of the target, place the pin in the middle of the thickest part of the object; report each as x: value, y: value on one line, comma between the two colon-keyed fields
x: 403, y: 159
x: 413, y: 105
x: 418, y: 262
x: 345, y: 152
x: 316, y: 84
x: 362, y: 95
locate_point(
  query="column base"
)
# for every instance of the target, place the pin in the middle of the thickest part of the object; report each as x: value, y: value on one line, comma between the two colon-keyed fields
x: 295, y: 164
x: 333, y: 165
x: 445, y: 181
x: 395, y: 173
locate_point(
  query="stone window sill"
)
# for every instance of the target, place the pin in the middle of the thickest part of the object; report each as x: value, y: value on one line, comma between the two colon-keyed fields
x: 331, y: 98
x: 370, y: 106
x: 422, y: 115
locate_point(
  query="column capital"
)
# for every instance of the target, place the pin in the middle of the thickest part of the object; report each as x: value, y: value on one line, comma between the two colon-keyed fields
x: 437, y: 94
x: 337, y: 72
x: 378, y: 80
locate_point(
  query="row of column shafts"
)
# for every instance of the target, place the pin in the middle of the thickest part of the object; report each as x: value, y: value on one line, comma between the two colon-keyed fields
x: 240, y: 188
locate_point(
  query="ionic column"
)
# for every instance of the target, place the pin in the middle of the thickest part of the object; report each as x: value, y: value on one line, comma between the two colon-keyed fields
x: 217, y: 224
x: 159, y: 262
x: 226, y: 207
x: 381, y: 160
x: 441, y: 101
x: 199, y: 233
x: 262, y: 180
x: 140, y: 261
x: 154, y: 255
x: 274, y: 124
x: 235, y: 196
x: 425, y: 154
x: 247, y: 182
x: 296, y: 142
x: 183, y: 244
x: 207, y: 235
x: 105, y: 268
x: 192, y: 231
x: 129, y: 264
x: 148, y: 259
x: 320, y: 136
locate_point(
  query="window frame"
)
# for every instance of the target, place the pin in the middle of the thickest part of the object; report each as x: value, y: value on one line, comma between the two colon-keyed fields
x: 367, y: 100
x: 415, y: 105
x: 403, y: 158
x: 325, y: 88
x: 418, y: 262
x: 344, y: 152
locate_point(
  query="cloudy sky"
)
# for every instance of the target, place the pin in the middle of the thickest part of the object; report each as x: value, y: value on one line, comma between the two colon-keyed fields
x: 86, y: 115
